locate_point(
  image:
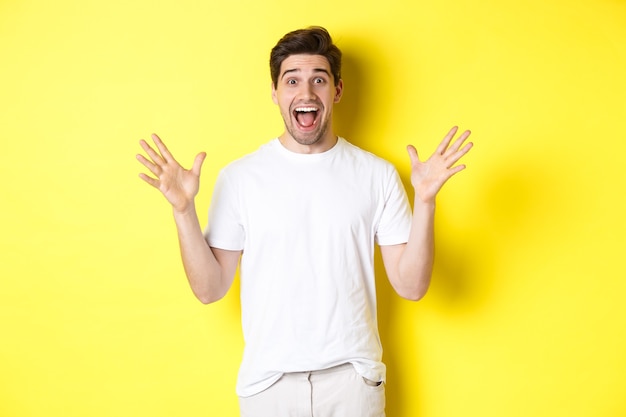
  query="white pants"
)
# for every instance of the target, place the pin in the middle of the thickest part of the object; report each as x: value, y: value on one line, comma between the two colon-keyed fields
x: 334, y: 392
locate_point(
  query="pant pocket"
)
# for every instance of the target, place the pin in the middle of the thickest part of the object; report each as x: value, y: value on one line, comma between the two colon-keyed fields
x: 371, y: 383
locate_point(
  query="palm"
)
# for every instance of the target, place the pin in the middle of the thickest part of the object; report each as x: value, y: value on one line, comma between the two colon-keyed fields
x: 429, y: 176
x: 178, y: 185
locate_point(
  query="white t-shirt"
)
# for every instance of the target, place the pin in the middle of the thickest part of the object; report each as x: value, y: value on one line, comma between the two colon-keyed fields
x: 307, y: 224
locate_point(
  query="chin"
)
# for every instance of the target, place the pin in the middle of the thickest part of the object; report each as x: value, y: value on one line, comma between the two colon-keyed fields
x: 308, y: 138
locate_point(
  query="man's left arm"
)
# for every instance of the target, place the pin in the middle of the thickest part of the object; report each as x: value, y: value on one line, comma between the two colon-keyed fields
x: 409, y: 266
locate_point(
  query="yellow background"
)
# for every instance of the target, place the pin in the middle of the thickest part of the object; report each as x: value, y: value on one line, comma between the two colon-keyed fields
x: 526, y: 314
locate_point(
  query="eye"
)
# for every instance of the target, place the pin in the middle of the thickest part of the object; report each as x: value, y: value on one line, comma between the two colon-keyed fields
x: 291, y: 81
x: 319, y: 81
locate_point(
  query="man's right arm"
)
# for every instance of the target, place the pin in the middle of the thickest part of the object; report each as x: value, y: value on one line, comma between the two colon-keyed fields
x: 210, y: 271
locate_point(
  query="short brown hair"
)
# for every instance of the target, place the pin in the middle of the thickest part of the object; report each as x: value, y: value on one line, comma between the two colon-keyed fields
x: 314, y: 40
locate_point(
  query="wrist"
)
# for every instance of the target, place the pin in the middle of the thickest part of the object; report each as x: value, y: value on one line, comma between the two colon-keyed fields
x: 186, y: 210
x: 424, y: 204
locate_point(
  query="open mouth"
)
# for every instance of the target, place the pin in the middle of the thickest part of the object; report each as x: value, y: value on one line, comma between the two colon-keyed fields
x: 306, y: 116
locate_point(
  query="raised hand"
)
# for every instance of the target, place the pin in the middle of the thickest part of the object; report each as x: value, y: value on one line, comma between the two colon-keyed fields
x: 429, y: 176
x: 178, y: 185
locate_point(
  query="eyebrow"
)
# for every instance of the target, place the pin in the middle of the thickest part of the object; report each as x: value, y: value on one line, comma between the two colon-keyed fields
x: 323, y: 70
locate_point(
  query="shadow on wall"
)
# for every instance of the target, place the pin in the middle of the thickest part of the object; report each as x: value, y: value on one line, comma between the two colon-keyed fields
x: 476, y: 258
x: 359, y: 101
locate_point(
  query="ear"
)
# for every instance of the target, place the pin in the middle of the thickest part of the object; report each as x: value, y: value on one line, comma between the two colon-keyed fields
x: 338, y: 91
x: 274, y: 98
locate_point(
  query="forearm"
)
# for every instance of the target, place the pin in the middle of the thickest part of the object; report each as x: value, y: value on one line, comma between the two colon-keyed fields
x: 415, y: 264
x: 202, y: 268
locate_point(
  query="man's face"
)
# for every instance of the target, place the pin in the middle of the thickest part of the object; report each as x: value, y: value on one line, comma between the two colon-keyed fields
x: 305, y: 93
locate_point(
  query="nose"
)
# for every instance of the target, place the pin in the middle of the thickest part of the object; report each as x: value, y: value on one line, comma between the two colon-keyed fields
x: 306, y: 91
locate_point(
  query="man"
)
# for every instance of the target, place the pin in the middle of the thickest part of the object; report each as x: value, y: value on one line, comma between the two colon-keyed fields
x: 302, y: 215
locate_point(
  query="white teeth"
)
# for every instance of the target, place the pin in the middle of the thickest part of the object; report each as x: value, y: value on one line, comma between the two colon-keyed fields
x: 306, y: 109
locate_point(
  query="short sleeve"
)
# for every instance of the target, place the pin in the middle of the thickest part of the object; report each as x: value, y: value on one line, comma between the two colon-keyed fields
x: 395, y: 223
x: 224, y: 229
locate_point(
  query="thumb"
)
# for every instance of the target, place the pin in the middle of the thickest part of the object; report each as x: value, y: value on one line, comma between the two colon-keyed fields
x: 412, y: 154
x: 197, y: 163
